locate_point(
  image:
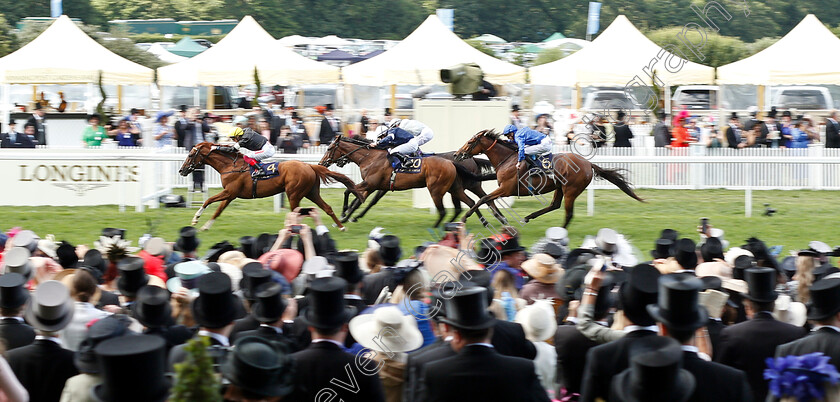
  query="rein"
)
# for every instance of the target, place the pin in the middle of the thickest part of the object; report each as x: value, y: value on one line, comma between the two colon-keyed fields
x: 194, y: 164
x: 345, y: 159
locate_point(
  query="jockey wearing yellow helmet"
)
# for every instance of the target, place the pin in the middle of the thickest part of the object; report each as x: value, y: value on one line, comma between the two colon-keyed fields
x: 253, y: 147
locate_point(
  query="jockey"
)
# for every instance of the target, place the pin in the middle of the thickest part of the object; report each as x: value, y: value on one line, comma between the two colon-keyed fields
x: 253, y: 147
x: 530, y: 142
x: 405, y: 136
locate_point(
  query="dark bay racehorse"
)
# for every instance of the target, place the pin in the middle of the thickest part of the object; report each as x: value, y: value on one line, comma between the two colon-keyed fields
x: 573, y: 174
x: 438, y: 175
x: 297, y: 179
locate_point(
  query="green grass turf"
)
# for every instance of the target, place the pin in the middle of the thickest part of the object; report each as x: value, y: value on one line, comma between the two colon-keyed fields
x: 802, y: 216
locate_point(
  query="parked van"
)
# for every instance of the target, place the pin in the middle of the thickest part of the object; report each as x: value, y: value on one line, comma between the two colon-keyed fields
x: 696, y: 97
x: 802, y: 98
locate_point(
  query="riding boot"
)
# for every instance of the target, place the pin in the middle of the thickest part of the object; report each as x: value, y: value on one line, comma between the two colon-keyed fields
x: 532, y: 165
x: 399, y: 159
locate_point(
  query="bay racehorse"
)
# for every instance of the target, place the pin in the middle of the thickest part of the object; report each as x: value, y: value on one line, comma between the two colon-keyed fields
x: 438, y: 175
x: 297, y: 179
x: 573, y: 174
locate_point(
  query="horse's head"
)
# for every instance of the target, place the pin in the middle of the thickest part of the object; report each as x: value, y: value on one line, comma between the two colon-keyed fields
x: 475, y: 145
x: 330, y: 156
x: 196, y: 158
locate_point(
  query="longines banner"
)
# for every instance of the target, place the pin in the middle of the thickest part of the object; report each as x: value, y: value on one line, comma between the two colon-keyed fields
x: 70, y: 182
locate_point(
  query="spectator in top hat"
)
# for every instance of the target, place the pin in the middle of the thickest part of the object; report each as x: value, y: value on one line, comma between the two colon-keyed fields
x: 515, y: 120
x: 734, y: 137
x: 832, y: 131
x: 372, y: 285
x: 330, y: 126
x: 121, y: 359
x: 253, y: 275
x: 154, y: 311
x: 214, y: 310
x: 12, y: 139
x: 745, y: 346
x: 661, y: 133
x: 270, y: 311
x: 258, y: 370
x: 501, y: 377
x: 655, y: 373
x: 44, y: 366
x: 132, y: 277
x: 414, y: 386
x: 326, y: 316
x: 187, y: 242
x: 14, y: 332
x: 510, y: 257
x: 680, y: 315
x: 37, y: 121
x: 605, y: 361
x: 554, y: 235
x: 623, y: 134
x: 78, y: 387
x: 824, y: 312
x: 347, y: 267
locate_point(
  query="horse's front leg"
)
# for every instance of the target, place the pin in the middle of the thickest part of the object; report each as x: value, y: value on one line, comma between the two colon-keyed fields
x: 218, y: 197
x: 218, y: 212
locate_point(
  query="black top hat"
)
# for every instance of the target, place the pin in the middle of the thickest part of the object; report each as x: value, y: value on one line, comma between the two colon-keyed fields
x: 712, y: 248
x: 478, y: 278
x: 270, y: 303
x: 762, y: 284
x: 640, y: 289
x: 514, y: 108
x: 66, y: 255
x: 121, y: 359
x: 347, y: 266
x: 217, y: 250
x: 389, y: 249
x: 487, y: 253
x: 101, y: 330
x: 327, y: 307
x: 686, y: 253
x: 669, y: 234
x: 734, y: 116
x: 655, y: 373
x: 182, y: 108
x: 387, y: 111
x: 620, y: 115
x: 38, y: 106
x: 824, y: 270
x: 215, y: 306
x: 509, y: 246
x: 825, y: 299
x: 554, y: 250
x: 93, y: 259
x: 742, y: 263
x: 712, y: 283
x: 132, y: 276
x: 12, y: 292
x: 260, y: 367
x: 664, y: 248
x: 263, y: 244
x: 604, y: 299
x: 51, y: 308
x: 246, y: 245
x: 253, y: 275
x: 329, y: 106
x: 569, y: 287
x: 678, y: 307
x: 152, y: 307
x: 467, y: 309
x: 187, y: 241
x: 773, y: 112
x: 786, y: 113
x: 113, y: 232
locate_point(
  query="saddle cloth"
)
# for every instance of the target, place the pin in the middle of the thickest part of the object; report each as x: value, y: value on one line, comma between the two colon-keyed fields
x: 270, y: 167
x: 412, y: 164
x: 544, y: 162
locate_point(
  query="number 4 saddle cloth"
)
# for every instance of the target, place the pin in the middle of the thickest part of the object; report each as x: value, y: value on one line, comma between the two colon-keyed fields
x: 271, y: 171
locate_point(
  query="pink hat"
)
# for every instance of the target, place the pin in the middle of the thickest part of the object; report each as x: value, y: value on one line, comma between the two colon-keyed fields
x: 284, y: 261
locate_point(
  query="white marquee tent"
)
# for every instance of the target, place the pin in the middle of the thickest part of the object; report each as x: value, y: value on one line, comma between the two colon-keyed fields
x: 165, y: 55
x: 779, y: 65
x: 64, y: 54
x: 418, y: 59
x: 233, y: 59
x: 598, y: 64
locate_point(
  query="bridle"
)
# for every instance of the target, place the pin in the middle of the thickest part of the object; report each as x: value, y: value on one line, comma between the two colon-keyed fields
x: 343, y: 159
x: 194, y: 163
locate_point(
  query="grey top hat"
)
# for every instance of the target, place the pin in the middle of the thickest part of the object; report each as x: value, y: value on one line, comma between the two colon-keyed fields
x: 17, y: 260
x: 51, y: 308
x: 26, y: 238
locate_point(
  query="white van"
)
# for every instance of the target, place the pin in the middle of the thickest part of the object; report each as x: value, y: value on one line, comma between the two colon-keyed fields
x: 696, y: 97
x: 802, y: 98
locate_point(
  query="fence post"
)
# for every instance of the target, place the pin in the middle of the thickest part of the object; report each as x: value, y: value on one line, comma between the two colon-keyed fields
x: 748, y: 202
x: 277, y: 202
x: 815, y: 170
x: 697, y: 170
x: 590, y: 201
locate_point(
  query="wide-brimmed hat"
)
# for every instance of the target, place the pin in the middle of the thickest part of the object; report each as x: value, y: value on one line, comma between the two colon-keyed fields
x: 389, y: 248
x: 387, y: 329
x: 678, y: 307
x: 51, y: 308
x: 12, y: 291
x: 47, y: 246
x: 663, y: 249
x: 327, y: 307
x: 187, y: 274
x: 27, y: 239
x: 734, y: 253
x: 762, y: 284
x: 543, y: 268
x: 121, y: 359
x: 825, y: 299
x: 215, y: 306
x: 640, y: 289
x: 152, y: 307
x: 713, y: 301
x: 286, y: 262
x: 347, y: 266
x: 655, y: 373
x: 100, y: 330
x: 253, y: 275
x: 685, y: 252
x: 270, y: 304
x: 439, y: 258
x: 17, y: 260
x: 132, y: 276
x: 790, y: 312
x: 233, y: 257
x: 217, y: 250
x: 467, y: 309
x: 260, y: 367
x: 187, y: 240
x: 538, y: 321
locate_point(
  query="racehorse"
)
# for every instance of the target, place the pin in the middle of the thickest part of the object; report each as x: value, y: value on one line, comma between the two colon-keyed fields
x: 481, y: 168
x: 297, y: 179
x: 438, y: 175
x: 573, y: 173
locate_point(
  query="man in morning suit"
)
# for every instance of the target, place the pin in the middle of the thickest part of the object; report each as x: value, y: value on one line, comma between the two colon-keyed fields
x: 372, y: 285
x: 414, y: 385
x: 824, y: 311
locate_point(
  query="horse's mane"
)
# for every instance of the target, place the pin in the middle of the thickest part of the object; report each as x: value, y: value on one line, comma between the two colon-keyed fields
x: 502, y: 139
x: 357, y: 140
x: 491, y: 133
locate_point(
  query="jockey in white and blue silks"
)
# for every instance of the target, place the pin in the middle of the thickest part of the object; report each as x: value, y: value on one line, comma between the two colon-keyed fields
x: 530, y: 142
x: 405, y: 136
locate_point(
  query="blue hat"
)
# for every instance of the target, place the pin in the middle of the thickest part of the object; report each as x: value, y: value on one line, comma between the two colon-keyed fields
x: 510, y: 128
x: 161, y: 115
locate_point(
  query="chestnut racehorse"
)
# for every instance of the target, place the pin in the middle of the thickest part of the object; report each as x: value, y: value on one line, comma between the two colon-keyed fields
x: 573, y: 174
x: 297, y: 179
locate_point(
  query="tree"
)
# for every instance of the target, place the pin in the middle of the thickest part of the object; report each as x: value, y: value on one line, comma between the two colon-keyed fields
x: 481, y: 47
x: 7, y: 40
x: 549, y: 55
x: 195, y: 379
x: 717, y: 51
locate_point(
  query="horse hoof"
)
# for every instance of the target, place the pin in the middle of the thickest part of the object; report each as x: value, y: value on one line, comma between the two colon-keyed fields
x: 343, y: 229
x: 193, y: 223
x: 354, y: 220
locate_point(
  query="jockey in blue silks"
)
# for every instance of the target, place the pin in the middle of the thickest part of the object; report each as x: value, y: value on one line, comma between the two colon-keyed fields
x: 405, y: 136
x: 531, y: 143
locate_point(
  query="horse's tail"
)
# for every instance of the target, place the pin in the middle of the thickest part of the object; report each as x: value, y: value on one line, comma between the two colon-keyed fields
x: 615, y: 177
x: 465, y: 173
x: 327, y: 176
